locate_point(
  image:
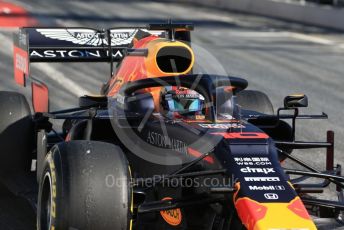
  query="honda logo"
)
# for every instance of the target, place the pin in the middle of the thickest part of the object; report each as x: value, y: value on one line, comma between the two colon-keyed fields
x: 271, y: 196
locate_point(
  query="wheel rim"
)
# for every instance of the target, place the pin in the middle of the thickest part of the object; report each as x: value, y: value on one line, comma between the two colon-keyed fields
x: 45, y: 207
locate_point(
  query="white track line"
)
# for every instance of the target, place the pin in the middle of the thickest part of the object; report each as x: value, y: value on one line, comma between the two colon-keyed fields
x: 55, y: 75
x: 285, y: 34
x: 255, y: 34
x: 310, y: 38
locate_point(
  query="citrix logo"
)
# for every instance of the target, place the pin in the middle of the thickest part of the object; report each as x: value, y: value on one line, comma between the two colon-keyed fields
x: 257, y: 170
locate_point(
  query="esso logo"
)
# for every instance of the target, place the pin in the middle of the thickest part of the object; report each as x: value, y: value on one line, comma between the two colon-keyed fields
x: 172, y: 217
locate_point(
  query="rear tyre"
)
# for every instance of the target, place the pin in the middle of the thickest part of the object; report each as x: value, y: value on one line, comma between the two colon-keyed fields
x: 85, y: 185
x: 16, y: 133
x: 255, y: 101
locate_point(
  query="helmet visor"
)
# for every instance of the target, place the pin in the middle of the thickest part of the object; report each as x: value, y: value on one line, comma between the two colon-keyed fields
x: 185, y: 105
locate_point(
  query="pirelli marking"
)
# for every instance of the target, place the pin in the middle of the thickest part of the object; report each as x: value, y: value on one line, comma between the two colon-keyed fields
x: 253, y: 179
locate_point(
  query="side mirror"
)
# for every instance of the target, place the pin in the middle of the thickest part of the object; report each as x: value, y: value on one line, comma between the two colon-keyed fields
x: 40, y: 97
x: 295, y: 101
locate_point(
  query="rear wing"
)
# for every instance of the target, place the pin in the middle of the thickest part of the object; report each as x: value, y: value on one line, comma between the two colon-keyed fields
x: 70, y: 45
x: 77, y: 44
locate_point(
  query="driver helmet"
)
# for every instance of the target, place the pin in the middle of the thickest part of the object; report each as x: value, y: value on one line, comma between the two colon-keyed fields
x: 181, y: 102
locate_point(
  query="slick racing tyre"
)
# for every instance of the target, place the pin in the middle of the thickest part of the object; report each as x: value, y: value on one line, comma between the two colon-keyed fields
x: 255, y: 101
x: 259, y: 102
x: 16, y: 133
x: 85, y: 185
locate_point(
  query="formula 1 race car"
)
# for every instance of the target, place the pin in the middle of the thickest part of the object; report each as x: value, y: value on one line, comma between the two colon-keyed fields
x: 162, y: 146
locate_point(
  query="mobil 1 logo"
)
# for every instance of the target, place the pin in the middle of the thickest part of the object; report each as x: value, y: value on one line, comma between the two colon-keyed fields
x: 266, y: 188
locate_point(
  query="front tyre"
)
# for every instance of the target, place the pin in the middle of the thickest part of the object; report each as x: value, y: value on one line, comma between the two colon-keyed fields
x: 85, y: 185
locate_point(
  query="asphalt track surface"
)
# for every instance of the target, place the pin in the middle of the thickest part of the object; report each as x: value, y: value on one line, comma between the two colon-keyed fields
x: 276, y: 57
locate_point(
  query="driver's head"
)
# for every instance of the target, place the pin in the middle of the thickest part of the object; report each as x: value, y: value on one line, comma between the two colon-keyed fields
x: 180, y: 102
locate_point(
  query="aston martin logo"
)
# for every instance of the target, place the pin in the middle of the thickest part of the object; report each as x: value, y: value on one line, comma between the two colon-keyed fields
x: 90, y: 37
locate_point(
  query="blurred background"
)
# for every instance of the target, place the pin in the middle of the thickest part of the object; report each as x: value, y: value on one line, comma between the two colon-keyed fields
x: 325, y: 2
x: 279, y: 46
